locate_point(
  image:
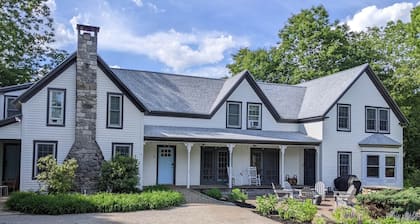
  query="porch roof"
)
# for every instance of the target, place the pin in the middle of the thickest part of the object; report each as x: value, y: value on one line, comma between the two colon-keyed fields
x: 218, y: 135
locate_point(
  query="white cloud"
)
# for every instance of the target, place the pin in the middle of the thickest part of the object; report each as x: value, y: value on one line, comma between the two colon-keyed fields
x: 374, y: 16
x: 154, y: 8
x: 179, y: 51
x: 217, y: 71
x: 139, y: 3
x: 115, y: 66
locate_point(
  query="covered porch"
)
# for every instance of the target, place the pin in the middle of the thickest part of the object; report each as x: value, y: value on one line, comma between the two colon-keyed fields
x: 203, y: 158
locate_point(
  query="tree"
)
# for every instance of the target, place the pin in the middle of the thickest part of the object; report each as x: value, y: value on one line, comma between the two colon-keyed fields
x: 26, y: 37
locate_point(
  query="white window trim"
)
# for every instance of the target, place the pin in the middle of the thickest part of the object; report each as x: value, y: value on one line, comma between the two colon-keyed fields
x: 338, y: 162
x: 109, y: 125
x: 395, y: 166
x: 61, y: 119
x: 376, y: 119
x: 228, y: 112
x: 259, y: 117
x: 378, y: 166
x: 6, y: 105
x: 35, y: 159
x: 348, y: 118
x: 115, y: 145
x: 379, y: 120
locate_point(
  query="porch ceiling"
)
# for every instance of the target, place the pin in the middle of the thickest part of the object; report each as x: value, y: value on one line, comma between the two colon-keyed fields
x: 189, y: 134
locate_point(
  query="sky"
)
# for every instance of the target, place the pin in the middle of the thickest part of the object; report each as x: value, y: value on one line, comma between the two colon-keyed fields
x: 195, y: 37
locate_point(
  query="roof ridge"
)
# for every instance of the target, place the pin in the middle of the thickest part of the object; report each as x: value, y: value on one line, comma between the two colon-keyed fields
x: 169, y: 74
x: 336, y: 73
x: 279, y: 84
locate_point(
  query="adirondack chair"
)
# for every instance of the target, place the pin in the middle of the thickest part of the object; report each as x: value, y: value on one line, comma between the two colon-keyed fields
x: 308, y: 193
x: 320, y: 189
x: 282, y: 198
x: 295, y: 193
x: 346, y: 198
x: 253, y: 177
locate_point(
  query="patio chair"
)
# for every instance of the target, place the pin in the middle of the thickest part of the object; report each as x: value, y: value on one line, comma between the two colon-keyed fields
x: 276, y: 193
x: 320, y: 189
x: 296, y: 194
x: 308, y: 193
x: 253, y: 176
x: 346, y: 198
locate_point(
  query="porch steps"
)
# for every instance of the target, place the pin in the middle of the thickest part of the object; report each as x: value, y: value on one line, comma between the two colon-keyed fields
x: 193, y: 196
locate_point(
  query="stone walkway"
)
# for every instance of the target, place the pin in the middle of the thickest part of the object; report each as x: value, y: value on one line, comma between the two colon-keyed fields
x: 193, y: 196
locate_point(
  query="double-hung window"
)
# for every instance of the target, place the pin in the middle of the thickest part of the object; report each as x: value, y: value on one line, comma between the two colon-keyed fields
x: 10, y: 108
x: 389, y: 166
x: 343, y: 117
x: 372, y: 166
x: 233, y: 114
x: 42, y: 149
x: 56, y: 107
x: 254, y: 116
x: 122, y: 149
x: 115, y: 110
x: 344, y: 163
x: 377, y: 119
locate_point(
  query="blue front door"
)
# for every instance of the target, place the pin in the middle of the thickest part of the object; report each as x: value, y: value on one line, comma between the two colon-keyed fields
x: 166, y: 162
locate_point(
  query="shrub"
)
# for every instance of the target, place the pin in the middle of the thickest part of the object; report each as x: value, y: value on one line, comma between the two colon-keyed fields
x: 398, y: 202
x: 156, y: 188
x: 412, y: 178
x: 297, y: 211
x: 348, y: 215
x: 394, y: 220
x: 54, y: 177
x: 319, y: 220
x: 214, y: 193
x: 266, y: 204
x: 57, y: 204
x: 120, y: 175
x: 238, y: 195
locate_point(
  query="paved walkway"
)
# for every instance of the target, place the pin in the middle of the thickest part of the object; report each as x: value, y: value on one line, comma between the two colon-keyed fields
x: 189, y: 213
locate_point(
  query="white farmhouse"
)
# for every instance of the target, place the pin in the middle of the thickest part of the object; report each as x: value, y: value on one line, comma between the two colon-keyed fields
x: 194, y: 131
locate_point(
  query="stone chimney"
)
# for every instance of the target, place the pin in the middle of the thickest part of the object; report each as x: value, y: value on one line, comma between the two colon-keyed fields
x: 85, y: 149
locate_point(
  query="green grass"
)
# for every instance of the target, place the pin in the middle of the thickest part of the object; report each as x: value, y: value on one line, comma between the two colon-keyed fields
x: 57, y: 204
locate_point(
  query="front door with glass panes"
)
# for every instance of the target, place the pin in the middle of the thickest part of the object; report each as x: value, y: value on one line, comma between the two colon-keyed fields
x: 214, y: 164
x: 166, y: 165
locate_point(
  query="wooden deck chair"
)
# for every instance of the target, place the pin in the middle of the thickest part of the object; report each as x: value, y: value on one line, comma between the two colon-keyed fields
x: 276, y: 193
x: 320, y: 189
x: 296, y: 193
x: 253, y: 177
x: 346, y: 199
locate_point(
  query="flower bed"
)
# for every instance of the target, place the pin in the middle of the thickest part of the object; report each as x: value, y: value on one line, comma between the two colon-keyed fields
x: 57, y: 204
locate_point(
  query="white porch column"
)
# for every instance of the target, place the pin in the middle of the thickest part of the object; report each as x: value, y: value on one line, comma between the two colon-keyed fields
x: 141, y: 166
x: 189, y: 147
x: 282, y: 173
x: 230, y: 146
x: 317, y: 156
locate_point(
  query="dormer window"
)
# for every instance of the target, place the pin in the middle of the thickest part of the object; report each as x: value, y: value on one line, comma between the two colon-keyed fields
x: 343, y: 117
x: 56, y: 107
x: 10, y: 109
x: 233, y: 114
x: 254, y: 116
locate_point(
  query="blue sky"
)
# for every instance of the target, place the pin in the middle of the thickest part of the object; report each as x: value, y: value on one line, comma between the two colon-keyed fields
x: 199, y: 37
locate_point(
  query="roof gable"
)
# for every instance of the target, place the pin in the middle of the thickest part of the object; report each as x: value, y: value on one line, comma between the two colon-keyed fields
x: 379, y: 140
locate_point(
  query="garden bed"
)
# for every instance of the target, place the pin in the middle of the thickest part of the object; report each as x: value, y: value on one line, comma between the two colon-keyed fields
x: 57, y: 204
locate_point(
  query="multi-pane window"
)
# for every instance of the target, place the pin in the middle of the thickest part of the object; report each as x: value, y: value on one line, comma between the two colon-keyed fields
x: 383, y: 120
x: 371, y: 119
x: 343, y: 117
x: 372, y: 166
x: 115, y: 102
x: 122, y: 149
x: 344, y: 163
x: 254, y: 116
x: 389, y: 166
x: 56, y: 107
x: 42, y: 149
x: 10, y: 109
x: 233, y: 114
x: 377, y: 119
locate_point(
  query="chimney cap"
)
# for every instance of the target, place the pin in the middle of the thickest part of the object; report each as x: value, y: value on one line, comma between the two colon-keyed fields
x: 87, y: 28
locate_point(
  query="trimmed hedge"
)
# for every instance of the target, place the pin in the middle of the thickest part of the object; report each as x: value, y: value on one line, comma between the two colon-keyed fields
x: 395, y: 201
x: 57, y: 204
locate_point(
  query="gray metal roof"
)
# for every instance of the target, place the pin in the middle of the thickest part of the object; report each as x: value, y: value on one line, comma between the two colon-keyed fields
x: 226, y: 135
x: 15, y: 87
x: 379, y: 140
x: 323, y: 92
